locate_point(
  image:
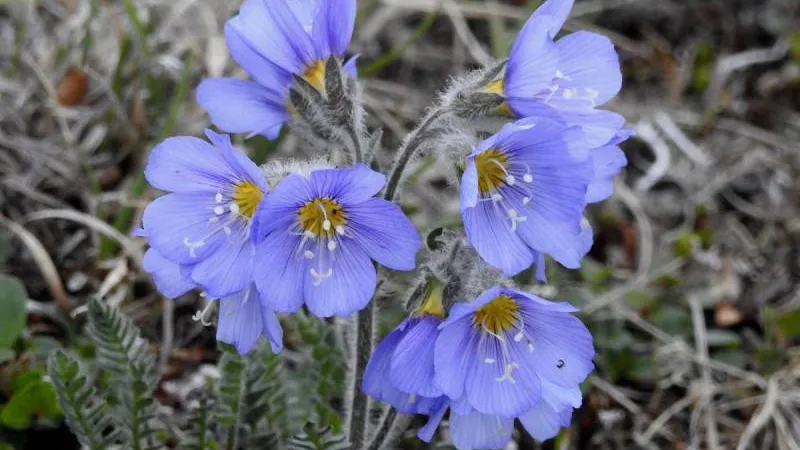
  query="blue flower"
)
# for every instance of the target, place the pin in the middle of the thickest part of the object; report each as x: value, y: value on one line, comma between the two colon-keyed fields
x: 523, y: 193
x: 472, y: 430
x: 273, y: 40
x: 244, y: 318
x: 507, y: 350
x: 570, y: 77
x: 204, y: 223
x: 401, y: 371
x: 320, y: 234
x: 168, y: 277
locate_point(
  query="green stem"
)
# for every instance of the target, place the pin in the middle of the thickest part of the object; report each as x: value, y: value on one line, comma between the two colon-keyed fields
x: 364, y: 329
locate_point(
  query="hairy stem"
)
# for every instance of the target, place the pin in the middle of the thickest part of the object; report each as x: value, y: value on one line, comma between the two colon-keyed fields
x: 358, y: 414
x: 408, y: 149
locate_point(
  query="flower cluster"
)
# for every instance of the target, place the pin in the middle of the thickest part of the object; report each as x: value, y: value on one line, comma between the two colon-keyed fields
x: 505, y: 355
x: 310, y: 235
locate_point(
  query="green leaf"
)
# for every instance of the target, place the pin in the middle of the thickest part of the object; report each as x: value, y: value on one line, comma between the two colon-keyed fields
x: 37, y: 399
x: 789, y: 323
x: 12, y: 320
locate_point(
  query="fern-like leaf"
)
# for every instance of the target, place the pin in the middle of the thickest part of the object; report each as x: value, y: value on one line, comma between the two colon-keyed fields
x: 325, y: 370
x: 233, y: 389
x: 315, y: 437
x: 201, y: 436
x: 124, y: 354
x: 86, y: 416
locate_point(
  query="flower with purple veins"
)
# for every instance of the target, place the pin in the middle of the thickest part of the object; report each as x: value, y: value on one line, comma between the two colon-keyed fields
x: 523, y: 194
x: 318, y: 236
x: 400, y: 371
x: 204, y: 222
x: 499, y: 353
x: 274, y: 40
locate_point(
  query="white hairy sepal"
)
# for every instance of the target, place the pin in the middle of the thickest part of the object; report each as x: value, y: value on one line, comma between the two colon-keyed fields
x: 275, y: 171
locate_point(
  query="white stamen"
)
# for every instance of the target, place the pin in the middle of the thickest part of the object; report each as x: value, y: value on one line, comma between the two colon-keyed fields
x: 218, y: 197
x: 489, y: 360
x: 219, y: 210
x: 530, y: 346
x: 527, y: 178
x: 339, y: 229
x: 320, y: 277
x: 227, y: 230
x: 331, y: 245
x: 592, y: 93
x: 569, y: 93
x: 326, y: 225
x: 526, y: 200
x: 497, y: 197
x: 192, y: 246
x: 213, y: 219
x: 309, y: 234
x: 308, y: 254
x: 234, y: 208
x: 518, y: 337
x: 507, y: 373
x: 511, y: 179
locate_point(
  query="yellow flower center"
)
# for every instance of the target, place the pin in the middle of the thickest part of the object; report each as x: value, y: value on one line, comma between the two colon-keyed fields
x: 491, y: 166
x: 247, y: 195
x: 315, y: 75
x: 497, y: 316
x: 432, y: 303
x: 322, y: 217
x: 497, y: 87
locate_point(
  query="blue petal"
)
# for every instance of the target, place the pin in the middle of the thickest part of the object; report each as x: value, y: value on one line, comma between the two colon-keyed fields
x: 412, y: 363
x: 244, y: 167
x: 426, y: 432
x: 487, y: 388
x: 187, y: 164
x: 557, y: 11
x: 607, y: 162
x: 240, y: 321
x: 278, y: 211
x: 490, y: 233
x: 590, y: 68
x: 563, y: 307
x: 377, y: 384
x: 347, y: 186
x: 532, y: 60
x: 543, y: 422
x: 333, y: 25
x: 268, y: 31
x: 350, y: 285
x: 382, y: 230
x: 480, y: 431
x: 166, y: 275
x: 229, y: 269
x: 454, y: 349
x: 272, y: 328
x: 266, y: 73
x: 541, y: 266
x: 173, y: 219
x: 599, y: 126
x: 469, y: 185
x: 563, y: 348
x: 294, y: 31
x: 240, y: 106
x: 279, y: 271
x: 350, y: 66
x: 462, y: 309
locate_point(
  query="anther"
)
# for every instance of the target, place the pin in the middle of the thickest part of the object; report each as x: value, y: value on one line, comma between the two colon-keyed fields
x: 234, y: 208
x: 518, y: 337
x: 308, y: 254
x: 331, y: 245
x: 326, y: 225
x: 527, y: 178
x: 218, y: 197
x: 227, y: 230
x: 489, y: 360
x: 340, y: 229
x: 219, y: 210
x: 526, y: 200
x: 497, y: 197
x: 213, y: 219
x: 511, y: 179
